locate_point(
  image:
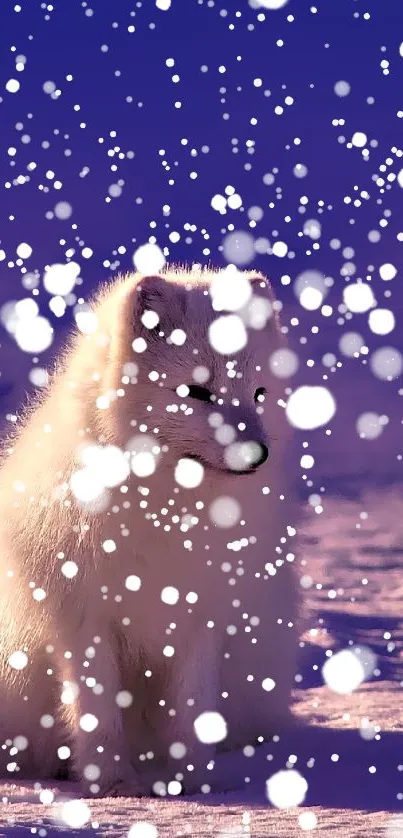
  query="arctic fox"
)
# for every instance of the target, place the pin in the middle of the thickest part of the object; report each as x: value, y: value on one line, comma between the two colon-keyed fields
x: 147, y: 594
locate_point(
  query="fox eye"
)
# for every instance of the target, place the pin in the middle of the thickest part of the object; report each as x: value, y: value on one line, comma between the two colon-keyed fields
x: 200, y: 393
x: 260, y: 394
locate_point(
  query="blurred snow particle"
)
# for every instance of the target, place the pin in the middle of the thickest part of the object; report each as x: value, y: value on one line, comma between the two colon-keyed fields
x: 307, y: 821
x: 381, y: 321
x: 279, y: 249
x: 239, y: 247
x: 139, y: 345
x: 114, y: 190
x: 57, y: 306
x: 310, y: 288
x: 230, y: 290
x: 283, y: 362
x: 258, y: 311
x: 358, y: 297
x: 150, y: 319
x: 47, y: 721
x: 177, y: 750
x: 163, y: 5
x: 170, y: 595
x: 86, y: 485
x: 133, y: 583
x: 12, y: 312
x: 312, y: 228
x: 219, y: 203
x: 350, y: 344
x: 268, y: 684
x: 109, y: 545
x: 143, y: 829
x: 210, y: 727
x: 21, y: 743
x: 92, y: 772
x: 227, y: 334
x: 75, y: 813
x: 34, y: 335
x: 300, y: 170
x: 310, y: 407
x: 307, y: 461
x: 88, y: 722
x: 49, y: 87
x: 306, y: 582
x: 178, y: 337
x: 386, y: 363
x: 18, y: 660
x: 400, y: 178
x: 174, y: 787
x: 359, y: 139
x: 148, y: 259
x: 143, y: 464
x: 85, y: 319
x: 144, y: 454
x: 189, y: 473
x: 60, y: 279
x: 12, y: 86
x: 69, y: 569
x: 311, y: 298
x: 370, y: 425
x: 286, y: 789
x: 124, y: 698
x: 24, y: 250
x: 387, y: 271
x: 63, y: 210
x: 234, y: 201
x: 342, y: 88
x: 344, y: 671
x: 269, y: 4
x: 255, y: 213
x: 225, y: 512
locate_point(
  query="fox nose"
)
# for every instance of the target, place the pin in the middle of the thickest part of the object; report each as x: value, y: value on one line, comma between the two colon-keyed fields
x: 246, y: 456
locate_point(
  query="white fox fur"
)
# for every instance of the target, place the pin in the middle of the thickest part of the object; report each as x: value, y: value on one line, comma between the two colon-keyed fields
x: 92, y: 629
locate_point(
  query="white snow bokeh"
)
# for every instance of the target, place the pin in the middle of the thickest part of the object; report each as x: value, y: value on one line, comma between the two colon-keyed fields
x: 227, y: 334
x: 18, y: 660
x: 225, y: 512
x: 286, y: 789
x: 189, y: 473
x: 310, y: 407
x: 60, y: 279
x: 210, y: 727
x: 148, y: 259
x: 75, y: 813
x: 143, y: 829
x: 346, y: 670
x: 230, y: 290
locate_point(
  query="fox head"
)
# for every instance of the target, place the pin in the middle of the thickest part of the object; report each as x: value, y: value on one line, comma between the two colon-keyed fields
x: 194, y: 371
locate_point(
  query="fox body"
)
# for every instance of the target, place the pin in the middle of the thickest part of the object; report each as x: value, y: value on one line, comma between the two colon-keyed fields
x: 144, y: 511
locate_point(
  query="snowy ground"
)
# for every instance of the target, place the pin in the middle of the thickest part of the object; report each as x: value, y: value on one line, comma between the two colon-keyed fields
x: 346, y: 795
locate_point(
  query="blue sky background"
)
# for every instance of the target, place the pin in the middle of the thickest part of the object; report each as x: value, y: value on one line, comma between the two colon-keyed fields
x: 120, y: 81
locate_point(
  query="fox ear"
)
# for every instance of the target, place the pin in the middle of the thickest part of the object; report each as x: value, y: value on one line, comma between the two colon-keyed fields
x: 158, y: 306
